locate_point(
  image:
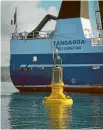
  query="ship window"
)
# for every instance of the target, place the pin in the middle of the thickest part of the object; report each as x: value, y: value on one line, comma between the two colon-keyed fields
x: 29, y: 68
x: 25, y: 68
x: 34, y: 58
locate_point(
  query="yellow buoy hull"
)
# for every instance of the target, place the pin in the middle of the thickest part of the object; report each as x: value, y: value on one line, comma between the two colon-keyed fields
x: 57, y: 96
x: 58, y: 101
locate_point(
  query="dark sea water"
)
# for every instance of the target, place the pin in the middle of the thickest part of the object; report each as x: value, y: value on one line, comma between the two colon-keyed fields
x: 26, y: 111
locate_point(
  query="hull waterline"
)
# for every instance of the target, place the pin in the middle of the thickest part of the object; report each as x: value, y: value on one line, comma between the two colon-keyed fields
x: 89, y: 90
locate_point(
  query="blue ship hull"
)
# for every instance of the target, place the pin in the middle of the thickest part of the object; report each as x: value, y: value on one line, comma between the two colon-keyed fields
x: 77, y: 70
x: 82, y: 62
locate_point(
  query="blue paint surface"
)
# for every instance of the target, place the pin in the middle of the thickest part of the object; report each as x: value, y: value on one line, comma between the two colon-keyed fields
x: 84, y: 74
x: 78, y: 58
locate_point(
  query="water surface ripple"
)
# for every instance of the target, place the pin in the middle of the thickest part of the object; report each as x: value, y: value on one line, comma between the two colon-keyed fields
x: 26, y: 111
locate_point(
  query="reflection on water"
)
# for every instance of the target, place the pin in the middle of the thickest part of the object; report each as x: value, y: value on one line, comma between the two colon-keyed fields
x: 60, y: 116
x: 26, y: 111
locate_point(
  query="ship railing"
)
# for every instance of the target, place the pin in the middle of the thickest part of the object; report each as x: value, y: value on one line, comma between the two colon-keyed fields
x: 34, y: 35
x: 88, y: 33
x: 98, y: 39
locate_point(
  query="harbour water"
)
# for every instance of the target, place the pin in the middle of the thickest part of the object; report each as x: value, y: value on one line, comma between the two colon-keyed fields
x: 26, y: 111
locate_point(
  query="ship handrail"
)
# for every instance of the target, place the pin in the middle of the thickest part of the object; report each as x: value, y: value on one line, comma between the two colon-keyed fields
x: 47, y: 18
x: 98, y: 38
x: 39, y: 35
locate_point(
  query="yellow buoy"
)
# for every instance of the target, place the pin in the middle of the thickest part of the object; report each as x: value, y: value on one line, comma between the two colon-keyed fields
x: 57, y: 95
